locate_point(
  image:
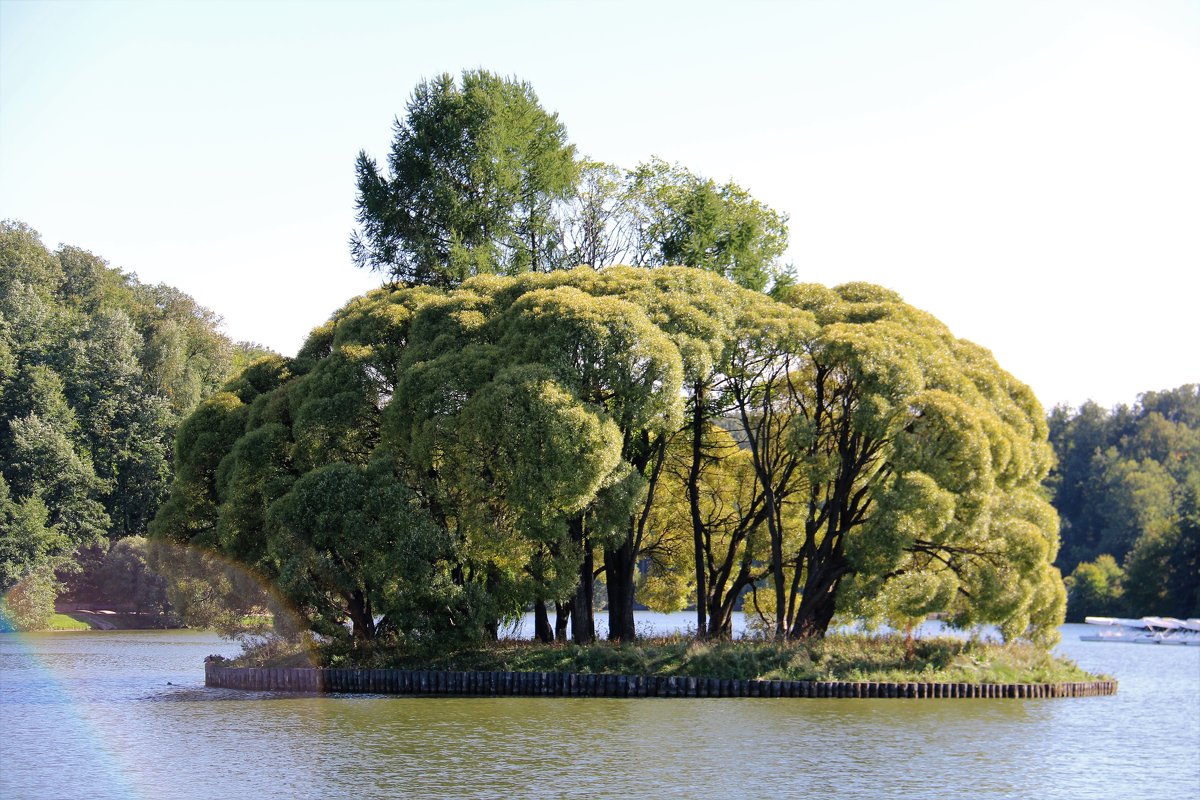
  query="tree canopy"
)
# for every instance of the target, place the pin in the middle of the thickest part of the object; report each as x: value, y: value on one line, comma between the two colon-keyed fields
x: 897, y: 471
x: 686, y: 219
x: 481, y: 180
x: 433, y: 461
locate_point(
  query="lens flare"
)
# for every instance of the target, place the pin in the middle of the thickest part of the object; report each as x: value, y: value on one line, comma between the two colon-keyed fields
x: 74, y: 707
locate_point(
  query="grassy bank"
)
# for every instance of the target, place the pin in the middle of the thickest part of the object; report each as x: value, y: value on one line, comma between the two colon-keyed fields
x: 99, y: 621
x: 62, y: 622
x: 57, y: 622
x: 843, y: 657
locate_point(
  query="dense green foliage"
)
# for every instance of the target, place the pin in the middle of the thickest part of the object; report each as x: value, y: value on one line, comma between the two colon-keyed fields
x: 482, y: 180
x: 432, y: 462
x: 1095, y: 588
x: 475, y: 169
x: 889, y: 471
x: 1126, y: 487
x: 96, y: 370
x: 683, y: 218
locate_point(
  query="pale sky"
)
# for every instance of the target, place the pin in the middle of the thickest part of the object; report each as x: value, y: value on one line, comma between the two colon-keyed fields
x: 1028, y: 172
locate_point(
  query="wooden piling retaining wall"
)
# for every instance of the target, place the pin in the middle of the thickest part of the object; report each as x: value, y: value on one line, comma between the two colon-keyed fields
x: 564, y: 684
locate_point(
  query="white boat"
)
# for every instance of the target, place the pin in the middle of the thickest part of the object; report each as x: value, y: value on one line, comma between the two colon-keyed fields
x: 1147, y: 630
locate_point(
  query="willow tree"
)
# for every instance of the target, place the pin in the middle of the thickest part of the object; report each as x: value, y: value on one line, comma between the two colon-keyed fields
x: 920, y: 478
x: 282, y: 473
x: 708, y: 540
x: 694, y: 310
x: 896, y: 469
x: 507, y: 458
x: 435, y: 461
x: 427, y: 463
x: 700, y: 312
x: 567, y: 470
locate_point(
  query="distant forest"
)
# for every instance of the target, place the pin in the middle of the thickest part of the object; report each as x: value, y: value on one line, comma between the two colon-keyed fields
x: 96, y: 371
x: 1126, y: 488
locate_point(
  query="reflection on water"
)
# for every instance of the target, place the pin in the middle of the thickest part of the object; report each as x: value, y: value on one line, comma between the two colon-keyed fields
x: 126, y: 715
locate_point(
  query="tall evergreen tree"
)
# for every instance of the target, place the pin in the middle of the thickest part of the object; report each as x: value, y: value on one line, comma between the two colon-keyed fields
x: 475, y: 168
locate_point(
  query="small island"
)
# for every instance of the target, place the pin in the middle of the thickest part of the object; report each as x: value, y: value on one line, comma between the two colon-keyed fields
x: 839, y: 666
x: 636, y: 401
x: 584, y: 389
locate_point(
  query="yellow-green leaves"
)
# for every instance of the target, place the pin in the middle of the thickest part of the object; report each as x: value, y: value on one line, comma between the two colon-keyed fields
x: 527, y: 439
x: 924, y: 459
x: 838, y: 441
x: 605, y: 349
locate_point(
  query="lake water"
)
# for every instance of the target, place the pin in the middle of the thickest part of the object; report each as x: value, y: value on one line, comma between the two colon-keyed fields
x: 125, y: 714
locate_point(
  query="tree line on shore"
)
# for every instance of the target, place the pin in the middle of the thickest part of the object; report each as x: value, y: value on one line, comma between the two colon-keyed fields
x: 96, y: 371
x: 1127, y: 488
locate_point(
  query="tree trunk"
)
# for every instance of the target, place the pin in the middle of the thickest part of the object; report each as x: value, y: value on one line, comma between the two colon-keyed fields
x: 583, y: 624
x: 818, y: 604
x: 541, y: 622
x: 720, y: 609
x: 776, y: 561
x: 813, y: 620
x: 360, y: 616
x: 720, y: 620
x: 760, y: 447
x: 620, y: 564
x: 491, y: 582
x: 619, y: 567
x: 693, y: 490
x: 562, y: 618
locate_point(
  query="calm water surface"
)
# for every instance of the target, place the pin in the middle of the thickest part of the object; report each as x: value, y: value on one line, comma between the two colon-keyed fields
x: 125, y: 714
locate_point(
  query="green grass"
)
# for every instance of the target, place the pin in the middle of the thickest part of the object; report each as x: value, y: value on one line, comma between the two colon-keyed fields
x: 61, y: 622
x: 842, y: 657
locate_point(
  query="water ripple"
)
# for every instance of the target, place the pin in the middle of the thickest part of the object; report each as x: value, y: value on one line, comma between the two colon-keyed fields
x: 102, y: 706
